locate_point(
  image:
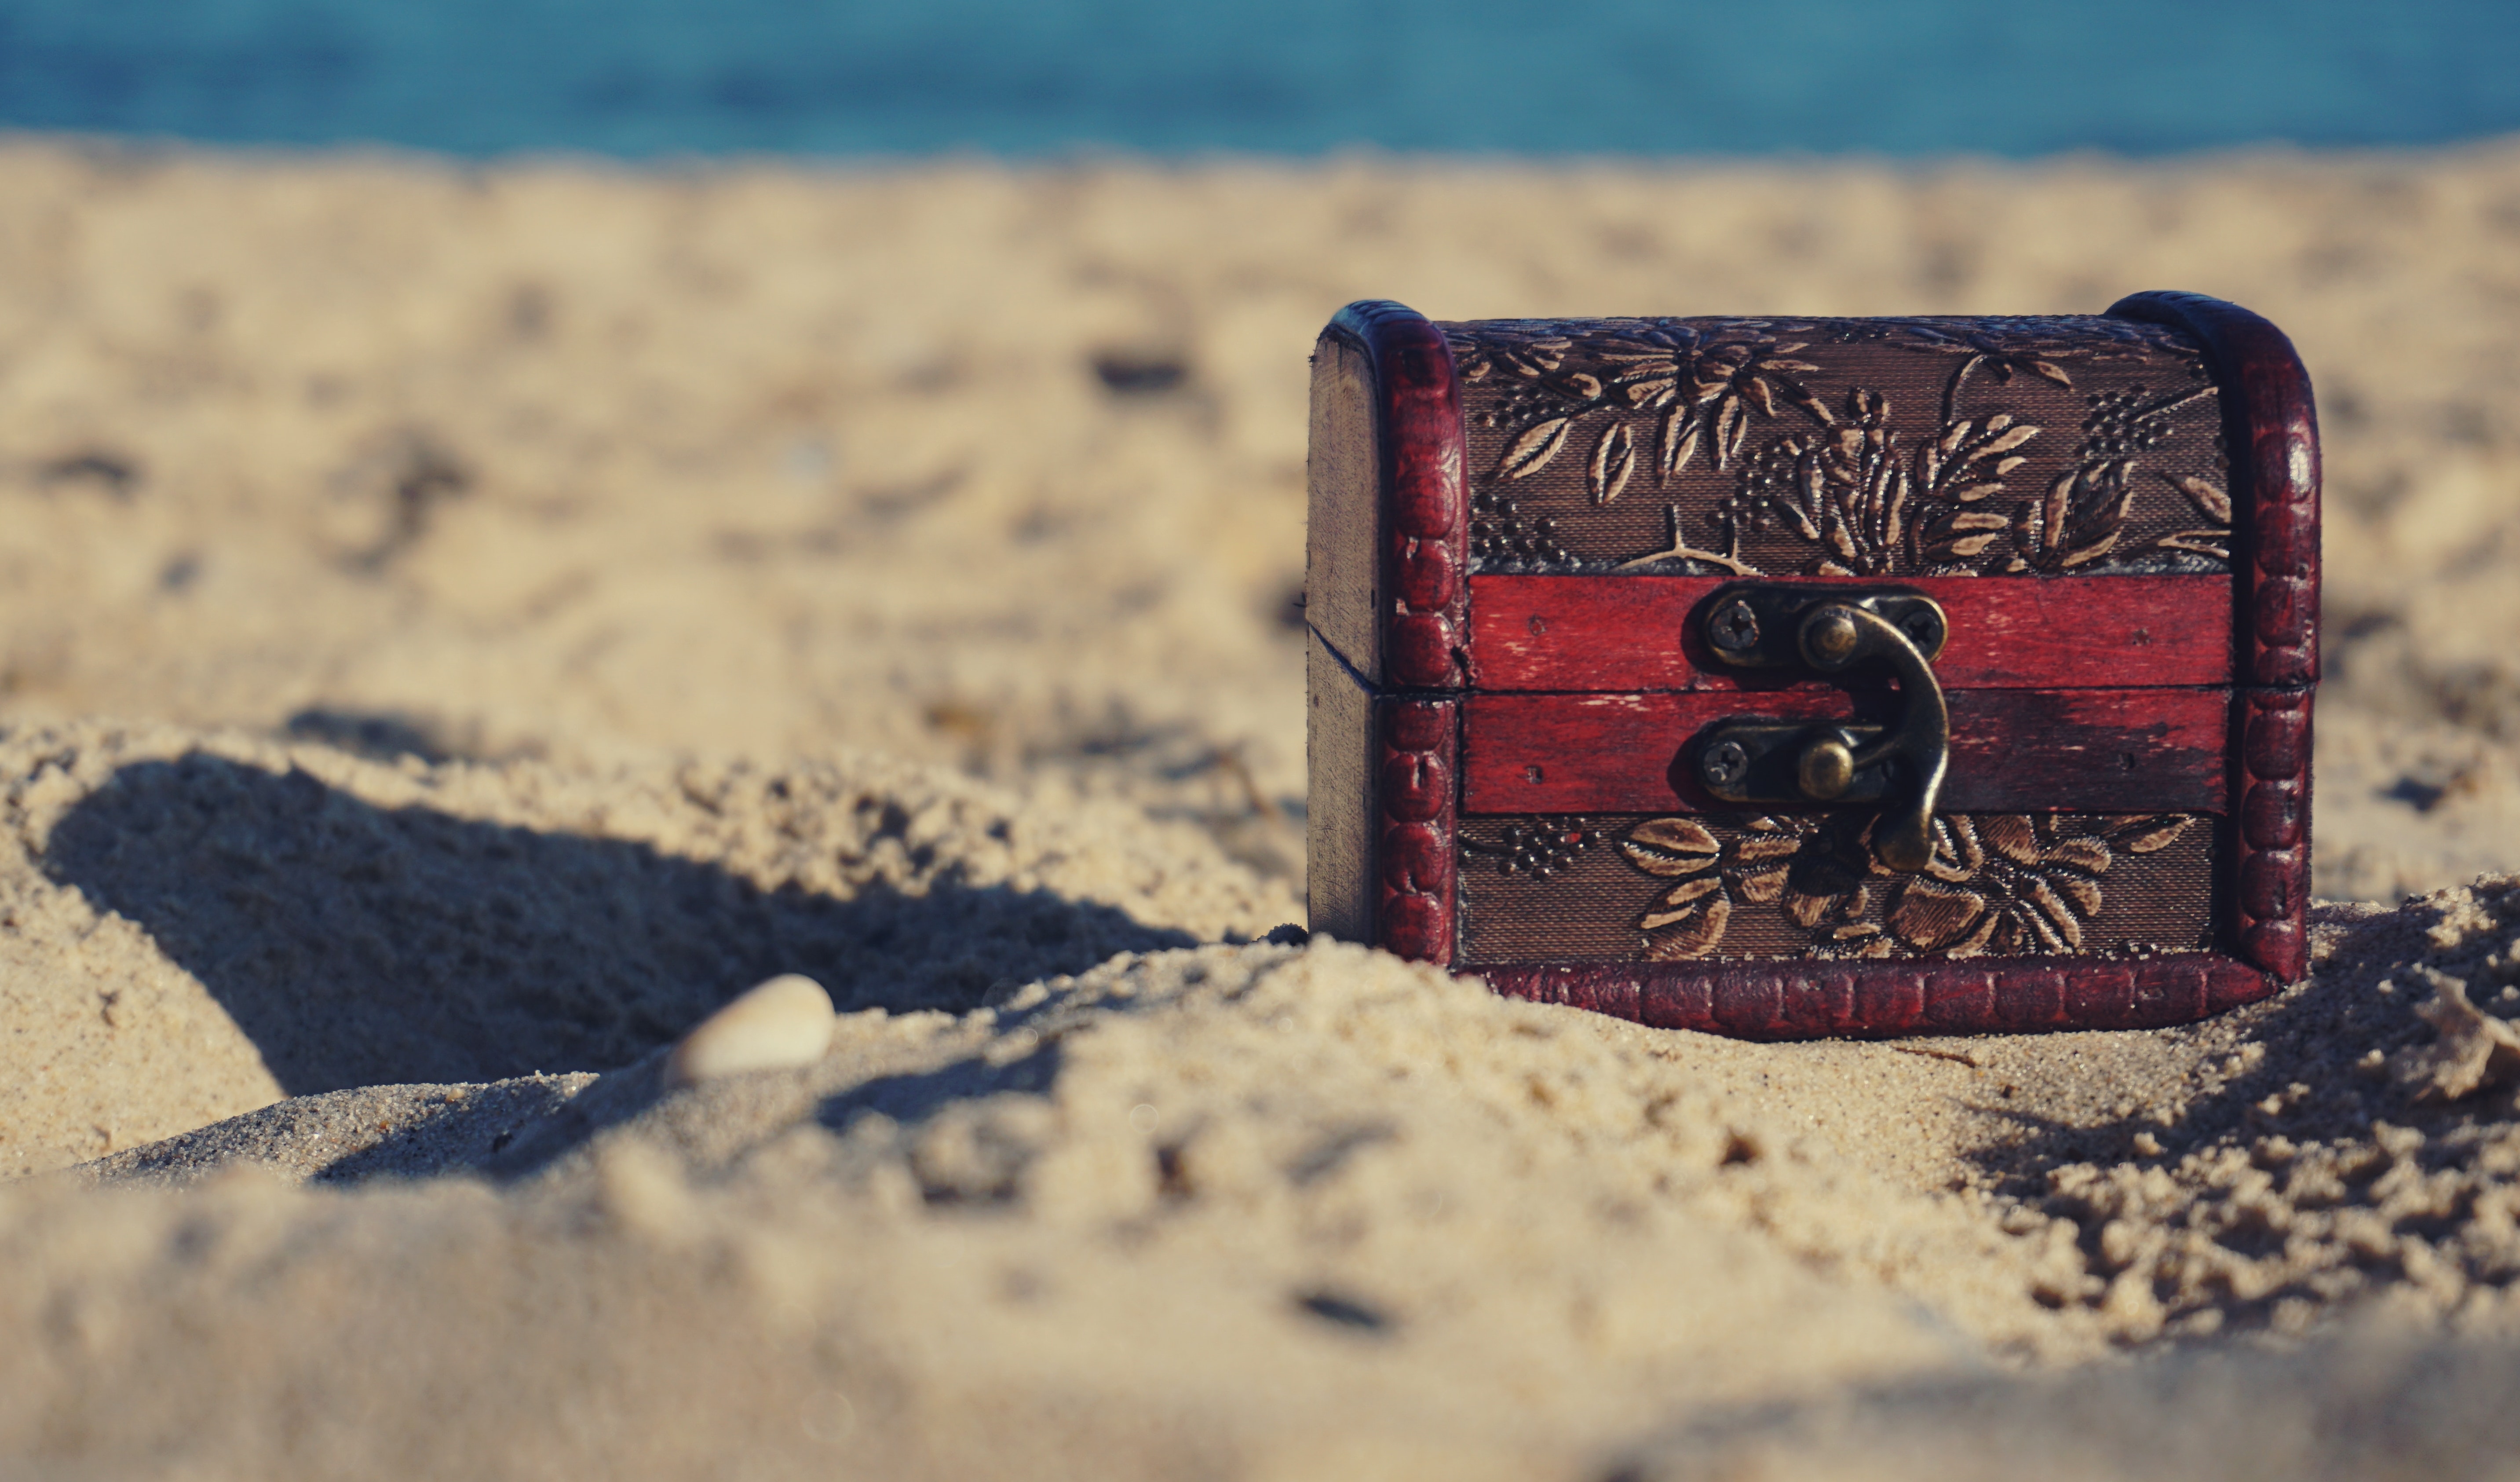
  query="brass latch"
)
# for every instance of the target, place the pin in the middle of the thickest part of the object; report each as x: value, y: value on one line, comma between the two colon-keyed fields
x: 1831, y: 630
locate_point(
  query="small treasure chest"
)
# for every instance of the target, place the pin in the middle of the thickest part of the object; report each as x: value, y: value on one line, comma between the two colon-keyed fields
x: 1799, y: 676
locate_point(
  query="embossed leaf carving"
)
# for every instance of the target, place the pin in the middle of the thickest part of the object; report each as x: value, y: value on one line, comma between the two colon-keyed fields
x: 1698, y: 905
x: 2009, y: 438
x: 2013, y: 837
x: 1822, y: 463
x: 2036, y: 881
x: 1696, y: 941
x: 2005, y: 884
x: 1765, y: 886
x: 2000, y: 346
x: 2211, y: 502
x: 1753, y: 864
x: 1614, y: 459
x: 1706, y: 388
x: 2155, y: 839
x: 1680, y: 435
x: 2080, y: 519
x: 1725, y: 381
x: 1529, y: 453
x: 1523, y: 354
x: 1760, y: 847
x: 1841, y: 490
x: 2057, y: 923
x: 2216, y: 542
x: 1810, y: 911
x: 2085, y: 514
x: 1931, y: 916
x: 1963, y: 534
x: 1681, y: 903
x: 1671, y: 846
x: 2082, y: 890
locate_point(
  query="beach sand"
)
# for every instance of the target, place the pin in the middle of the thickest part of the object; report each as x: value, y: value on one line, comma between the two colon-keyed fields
x: 462, y: 625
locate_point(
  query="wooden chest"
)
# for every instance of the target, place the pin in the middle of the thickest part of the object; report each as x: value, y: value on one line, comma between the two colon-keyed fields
x: 1800, y: 677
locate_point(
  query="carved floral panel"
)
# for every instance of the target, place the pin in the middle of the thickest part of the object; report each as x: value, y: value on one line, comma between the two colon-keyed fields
x: 1876, y: 447
x: 1808, y: 885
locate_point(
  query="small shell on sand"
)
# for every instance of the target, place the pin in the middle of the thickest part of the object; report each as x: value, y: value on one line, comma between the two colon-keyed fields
x: 784, y: 1022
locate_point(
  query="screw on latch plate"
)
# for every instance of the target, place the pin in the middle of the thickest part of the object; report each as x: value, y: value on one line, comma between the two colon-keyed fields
x: 1733, y: 628
x: 1724, y: 763
x: 1828, y: 630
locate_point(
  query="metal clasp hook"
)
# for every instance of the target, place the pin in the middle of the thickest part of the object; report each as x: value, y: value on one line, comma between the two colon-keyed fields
x: 1831, y: 630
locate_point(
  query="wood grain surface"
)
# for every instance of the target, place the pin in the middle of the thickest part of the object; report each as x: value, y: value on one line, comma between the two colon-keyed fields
x: 1642, y: 632
x: 1339, y: 758
x: 1343, y: 516
x: 2012, y: 750
x: 1805, y: 887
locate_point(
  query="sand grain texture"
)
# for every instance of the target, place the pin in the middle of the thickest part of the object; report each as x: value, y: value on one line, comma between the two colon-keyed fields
x: 463, y: 626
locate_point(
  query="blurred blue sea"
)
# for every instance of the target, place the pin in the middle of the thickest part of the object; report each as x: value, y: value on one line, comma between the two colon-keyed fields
x: 1027, y: 78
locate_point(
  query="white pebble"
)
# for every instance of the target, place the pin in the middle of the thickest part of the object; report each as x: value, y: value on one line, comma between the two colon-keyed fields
x: 784, y: 1022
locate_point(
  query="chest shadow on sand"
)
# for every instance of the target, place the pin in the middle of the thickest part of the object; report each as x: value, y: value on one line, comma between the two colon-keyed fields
x: 358, y: 945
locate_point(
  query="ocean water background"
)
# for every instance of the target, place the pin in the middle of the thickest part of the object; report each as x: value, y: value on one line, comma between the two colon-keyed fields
x: 641, y: 78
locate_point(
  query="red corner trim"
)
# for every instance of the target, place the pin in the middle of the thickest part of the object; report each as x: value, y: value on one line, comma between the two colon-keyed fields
x: 2272, y: 425
x: 1416, y: 783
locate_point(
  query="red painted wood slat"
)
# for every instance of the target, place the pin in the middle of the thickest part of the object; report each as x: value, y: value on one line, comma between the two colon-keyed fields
x: 1633, y: 632
x: 2012, y: 750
